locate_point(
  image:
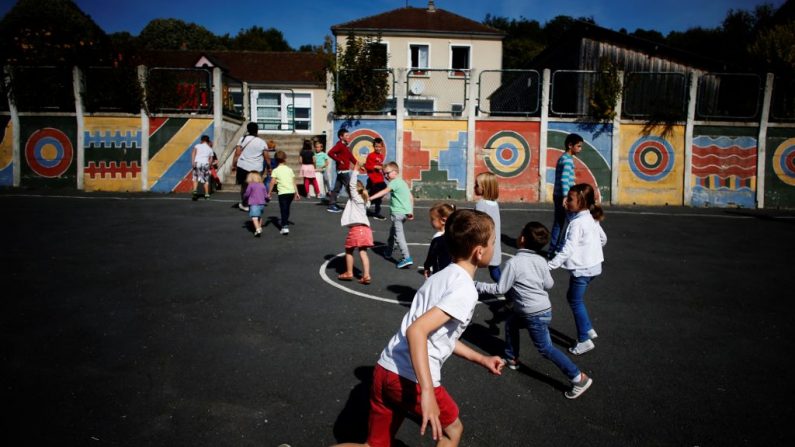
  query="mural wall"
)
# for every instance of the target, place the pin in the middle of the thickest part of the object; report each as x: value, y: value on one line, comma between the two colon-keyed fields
x: 48, y: 155
x: 651, y: 169
x: 6, y: 151
x: 592, y: 165
x: 780, y: 168
x: 362, y: 134
x: 724, y: 166
x: 112, y: 154
x: 171, y: 141
x: 435, y: 158
x: 509, y: 150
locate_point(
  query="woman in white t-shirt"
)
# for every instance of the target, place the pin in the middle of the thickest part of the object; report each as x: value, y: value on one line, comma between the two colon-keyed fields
x: 249, y: 156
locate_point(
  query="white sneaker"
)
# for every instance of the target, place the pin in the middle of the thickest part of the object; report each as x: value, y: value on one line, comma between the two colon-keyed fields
x: 242, y: 207
x: 285, y: 231
x: 592, y: 334
x: 577, y: 388
x: 582, y: 347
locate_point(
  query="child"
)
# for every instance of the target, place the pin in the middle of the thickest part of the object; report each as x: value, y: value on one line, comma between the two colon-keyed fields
x: 374, y: 165
x: 438, y: 256
x: 524, y: 282
x: 283, y: 178
x: 308, y: 168
x: 321, y: 167
x: 564, y: 178
x: 401, y: 206
x: 408, y: 374
x: 202, y: 156
x: 582, y: 256
x: 359, y: 234
x: 255, y: 197
x: 487, y: 188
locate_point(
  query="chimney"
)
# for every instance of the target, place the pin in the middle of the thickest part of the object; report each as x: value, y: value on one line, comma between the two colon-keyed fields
x: 431, y: 6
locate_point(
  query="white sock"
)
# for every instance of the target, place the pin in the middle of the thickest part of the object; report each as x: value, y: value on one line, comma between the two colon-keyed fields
x: 577, y: 379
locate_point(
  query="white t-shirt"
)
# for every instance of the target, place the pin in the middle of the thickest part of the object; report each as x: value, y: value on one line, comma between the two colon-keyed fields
x: 251, y: 159
x: 451, y: 290
x: 204, y: 153
x: 492, y: 208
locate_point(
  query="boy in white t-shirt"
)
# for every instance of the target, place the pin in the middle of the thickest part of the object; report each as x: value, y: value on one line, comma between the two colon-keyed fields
x: 407, y: 376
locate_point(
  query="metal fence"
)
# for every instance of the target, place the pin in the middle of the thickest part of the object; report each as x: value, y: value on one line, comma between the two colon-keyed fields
x: 730, y: 96
x: 655, y: 95
x: 571, y: 92
x: 344, y: 81
x: 782, y: 106
x: 42, y: 89
x: 112, y: 89
x: 179, y: 90
x: 509, y: 92
x: 436, y: 91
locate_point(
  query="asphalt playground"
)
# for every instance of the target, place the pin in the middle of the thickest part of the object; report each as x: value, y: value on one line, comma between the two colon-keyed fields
x: 145, y: 319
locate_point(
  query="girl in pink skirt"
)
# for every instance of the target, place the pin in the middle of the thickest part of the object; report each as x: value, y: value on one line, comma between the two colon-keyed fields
x: 359, y: 233
x: 308, y: 168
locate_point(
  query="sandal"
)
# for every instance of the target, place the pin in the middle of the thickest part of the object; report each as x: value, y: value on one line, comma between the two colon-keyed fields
x: 345, y: 276
x: 365, y: 280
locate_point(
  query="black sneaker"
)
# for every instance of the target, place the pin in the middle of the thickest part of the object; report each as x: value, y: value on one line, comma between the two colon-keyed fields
x: 580, y: 387
x: 379, y: 217
x: 334, y: 209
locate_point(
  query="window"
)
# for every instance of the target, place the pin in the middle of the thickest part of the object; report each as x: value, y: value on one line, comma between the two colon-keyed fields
x: 419, y: 107
x: 418, y: 55
x: 456, y: 109
x: 459, y: 59
x: 282, y: 110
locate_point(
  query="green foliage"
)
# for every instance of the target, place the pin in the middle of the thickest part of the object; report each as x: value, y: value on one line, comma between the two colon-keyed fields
x: 605, y: 92
x: 51, y: 32
x: 257, y: 38
x: 174, y: 34
x: 362, y: 82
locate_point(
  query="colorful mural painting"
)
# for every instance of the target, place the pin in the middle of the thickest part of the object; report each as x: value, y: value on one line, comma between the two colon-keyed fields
x: 592, y: 165
x: 435, y: 158
x: 362, y: 134
x: 510, y: 151
x: 171, y: 141
x: 48, y: 151
x: 780, y: 171
x: 651, y: 170
x: 724, y: 166
x: 6, y: 151
x: 112, y: 154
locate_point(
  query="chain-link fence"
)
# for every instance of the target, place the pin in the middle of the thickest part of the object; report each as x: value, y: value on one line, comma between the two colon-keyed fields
x: 729, y: 96
x: 112, y: 89
x: 509, y: 92
x: 571, y: 92
x: 179, y: 90
x: 436, y: 92
x: 232, y: 96
x: 655, y: 95
x: 42, y: 89
x: 782, y: 107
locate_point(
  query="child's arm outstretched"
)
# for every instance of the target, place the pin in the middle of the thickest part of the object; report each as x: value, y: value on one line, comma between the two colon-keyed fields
x: 507, y: 278
x: 572, y: 240
x: 493, y: 362
x: 381, y: 193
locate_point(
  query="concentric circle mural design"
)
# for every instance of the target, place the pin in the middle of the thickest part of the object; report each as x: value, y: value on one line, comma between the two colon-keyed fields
x: 784, y: 161
x: 508, y: 154
x: 49, y: 152
x: 651, y: 158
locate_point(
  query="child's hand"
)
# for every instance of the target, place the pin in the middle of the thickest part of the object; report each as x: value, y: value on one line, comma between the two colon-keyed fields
x: 409, y: 216
x: 494, y: 364
x: 430, y: 413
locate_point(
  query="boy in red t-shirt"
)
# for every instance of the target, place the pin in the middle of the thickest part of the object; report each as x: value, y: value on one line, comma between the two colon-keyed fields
x: 374, y: 166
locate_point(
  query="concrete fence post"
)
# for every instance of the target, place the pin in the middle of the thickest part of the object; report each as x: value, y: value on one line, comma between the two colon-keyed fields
x: 689, y: 125
x: 15, y: 128
x: 543, y: 135
x: 615, y: 159
x: 471, y: 112
x: 761, y: 144
x: 144, y: 130
x: 77, y: 87
x: 400, y: 96
x: 218, y: 109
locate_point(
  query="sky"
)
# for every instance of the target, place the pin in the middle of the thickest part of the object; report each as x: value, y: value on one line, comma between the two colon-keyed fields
x: 308, y: 21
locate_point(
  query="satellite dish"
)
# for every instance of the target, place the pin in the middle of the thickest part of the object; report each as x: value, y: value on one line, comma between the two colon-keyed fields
x: 416, y: 87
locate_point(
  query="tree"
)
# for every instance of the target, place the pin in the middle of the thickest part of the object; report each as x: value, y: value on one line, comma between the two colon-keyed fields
x: 174, y: 34
x: 257, y: 38
x: 51, y: 32
x: 362, y: 82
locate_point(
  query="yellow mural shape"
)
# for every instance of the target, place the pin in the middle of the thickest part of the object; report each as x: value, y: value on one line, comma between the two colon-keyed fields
x: 129, y: 128
x: 435, y: 135
x: 651, y: 166
x: 7, y: 147
x: 176, y: 146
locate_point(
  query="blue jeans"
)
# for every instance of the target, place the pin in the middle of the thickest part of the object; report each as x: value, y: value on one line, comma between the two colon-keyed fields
x: 558, y: 234
x: 396, y: 234
x: 538, y: 327
x: 576, y: 298
x: 495, y: 273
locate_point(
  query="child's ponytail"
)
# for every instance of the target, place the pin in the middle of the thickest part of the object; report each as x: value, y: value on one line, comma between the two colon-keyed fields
x: 588, y: 199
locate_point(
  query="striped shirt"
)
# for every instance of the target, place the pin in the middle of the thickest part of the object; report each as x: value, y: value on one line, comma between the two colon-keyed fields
x: 564, y: 175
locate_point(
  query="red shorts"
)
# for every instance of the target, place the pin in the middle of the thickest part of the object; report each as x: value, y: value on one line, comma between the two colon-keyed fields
x: 393, y: 397
x: 360, y: 236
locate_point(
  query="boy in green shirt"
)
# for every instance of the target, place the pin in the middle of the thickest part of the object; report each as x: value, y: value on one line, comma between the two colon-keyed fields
x: 401, y: 206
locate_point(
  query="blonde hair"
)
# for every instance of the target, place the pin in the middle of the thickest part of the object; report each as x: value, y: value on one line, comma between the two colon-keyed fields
x: 362, y: 191
x: 442, y: 210
x: 488, y: 185
x: 393, y: 165
x: 253, y: 177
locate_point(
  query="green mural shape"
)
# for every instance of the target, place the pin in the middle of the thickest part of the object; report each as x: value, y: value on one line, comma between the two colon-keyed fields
x: 591, y: 158
x: 434, y: 184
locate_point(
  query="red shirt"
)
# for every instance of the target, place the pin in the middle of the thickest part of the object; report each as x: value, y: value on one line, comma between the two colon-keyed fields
x: 373, y: 160
x: 342, y: 154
